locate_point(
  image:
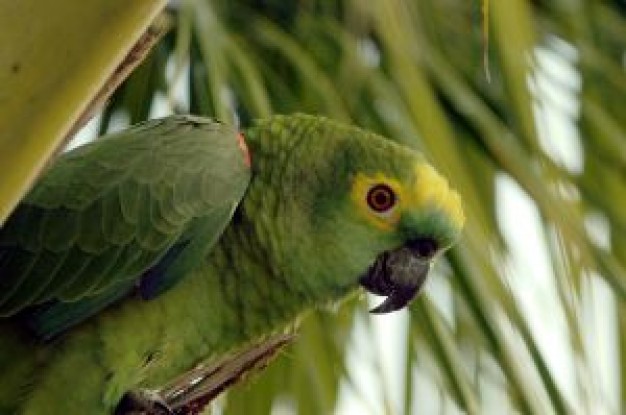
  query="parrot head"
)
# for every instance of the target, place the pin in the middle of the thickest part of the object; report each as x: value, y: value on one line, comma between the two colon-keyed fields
x: 353, y: 207
x: 421, y: 209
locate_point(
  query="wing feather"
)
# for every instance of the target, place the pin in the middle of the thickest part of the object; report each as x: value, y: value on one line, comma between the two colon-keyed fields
x: 59, y: 229
x: 109, y: 211
x: 115, y: 226
x: 35, y: 281
x: 73, y: 266
x: 18, y: 263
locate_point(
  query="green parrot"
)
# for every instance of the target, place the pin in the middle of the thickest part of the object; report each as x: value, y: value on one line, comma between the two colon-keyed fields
x: 142, y: 255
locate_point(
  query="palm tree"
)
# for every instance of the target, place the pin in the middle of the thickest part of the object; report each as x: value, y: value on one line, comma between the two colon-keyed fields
x: 520, y: 104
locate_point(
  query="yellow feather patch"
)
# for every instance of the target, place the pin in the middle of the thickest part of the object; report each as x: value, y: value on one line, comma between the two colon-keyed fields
x: 428, y: 189
x: 360, y: 188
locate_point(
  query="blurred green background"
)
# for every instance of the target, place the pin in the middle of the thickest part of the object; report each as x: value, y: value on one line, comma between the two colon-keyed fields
x: 522, y: 105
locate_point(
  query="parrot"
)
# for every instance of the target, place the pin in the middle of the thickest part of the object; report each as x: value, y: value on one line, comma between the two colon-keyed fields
x: 142, y: 255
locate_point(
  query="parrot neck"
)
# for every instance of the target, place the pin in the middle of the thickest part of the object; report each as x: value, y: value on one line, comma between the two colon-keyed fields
x: 275, y: 275
x: 278, y: 268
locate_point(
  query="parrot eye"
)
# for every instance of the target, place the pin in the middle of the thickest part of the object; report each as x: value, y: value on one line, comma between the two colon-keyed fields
x: 381, y: 198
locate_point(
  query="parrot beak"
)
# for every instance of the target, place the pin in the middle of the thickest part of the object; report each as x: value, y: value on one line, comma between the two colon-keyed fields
x: 399, y: 274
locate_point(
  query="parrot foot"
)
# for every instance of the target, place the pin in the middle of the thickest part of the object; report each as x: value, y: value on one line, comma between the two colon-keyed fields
x: 143, y: 401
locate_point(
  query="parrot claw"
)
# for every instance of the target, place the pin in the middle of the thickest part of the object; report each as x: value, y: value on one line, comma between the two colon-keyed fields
x: 143, y: 401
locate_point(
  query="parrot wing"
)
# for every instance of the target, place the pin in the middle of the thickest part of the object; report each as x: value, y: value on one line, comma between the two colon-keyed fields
x: 135, y: 209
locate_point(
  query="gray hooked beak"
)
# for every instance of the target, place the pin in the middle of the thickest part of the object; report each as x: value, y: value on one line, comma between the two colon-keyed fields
x: 399, y: 274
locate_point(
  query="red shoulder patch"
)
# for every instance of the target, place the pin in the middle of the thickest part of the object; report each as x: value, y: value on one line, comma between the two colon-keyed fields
x: 244, y: 148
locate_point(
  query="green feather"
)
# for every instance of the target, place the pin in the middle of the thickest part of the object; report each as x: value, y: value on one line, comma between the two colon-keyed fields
x: 49, y: 321
x: 106, y: 212
x: 202, y: 234
x: 154, y: 217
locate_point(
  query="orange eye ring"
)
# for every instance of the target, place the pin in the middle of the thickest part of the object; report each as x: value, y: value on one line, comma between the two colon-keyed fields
x: 381, y: 198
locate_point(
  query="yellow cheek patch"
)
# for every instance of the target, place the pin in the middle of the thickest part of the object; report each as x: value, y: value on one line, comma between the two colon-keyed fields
x: 428, y: 190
